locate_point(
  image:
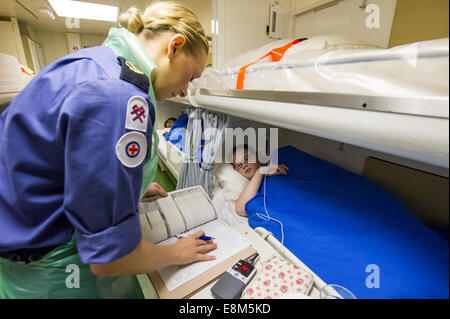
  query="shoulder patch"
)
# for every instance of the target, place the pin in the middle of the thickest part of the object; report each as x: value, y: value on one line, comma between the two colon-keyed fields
x: 137, y: 114
x: 131, y: 149
x: 132, y: 74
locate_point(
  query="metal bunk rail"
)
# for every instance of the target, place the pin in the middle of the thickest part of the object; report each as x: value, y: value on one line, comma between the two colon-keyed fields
x: 410, y: 127
x: 422, y: 106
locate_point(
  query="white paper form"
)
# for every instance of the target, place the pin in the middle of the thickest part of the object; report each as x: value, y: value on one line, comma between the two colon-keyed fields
x: 229, y: 242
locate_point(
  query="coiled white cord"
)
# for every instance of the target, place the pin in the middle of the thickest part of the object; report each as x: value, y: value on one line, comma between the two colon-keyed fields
x: 267, y: 217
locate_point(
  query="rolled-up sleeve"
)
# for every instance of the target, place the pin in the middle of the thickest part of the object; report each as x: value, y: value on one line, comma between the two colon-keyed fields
x: 101, y: 195
x: 114, y: 242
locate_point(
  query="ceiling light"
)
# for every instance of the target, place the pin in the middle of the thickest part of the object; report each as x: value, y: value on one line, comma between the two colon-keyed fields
x: 48, y: 12
x: 84, y: 10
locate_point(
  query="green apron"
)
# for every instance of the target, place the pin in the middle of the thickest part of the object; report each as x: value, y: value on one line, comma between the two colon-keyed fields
x: 60, y: 273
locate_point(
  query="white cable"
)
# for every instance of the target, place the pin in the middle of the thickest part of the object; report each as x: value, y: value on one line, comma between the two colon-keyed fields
x: 268, y: 218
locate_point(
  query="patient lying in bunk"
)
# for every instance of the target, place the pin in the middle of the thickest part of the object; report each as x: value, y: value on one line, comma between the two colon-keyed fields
x: 168, y: 124
x: 248, y: 165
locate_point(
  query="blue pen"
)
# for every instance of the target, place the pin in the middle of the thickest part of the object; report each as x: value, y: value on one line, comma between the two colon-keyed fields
x: 206, y: 238
x: 201, y: 237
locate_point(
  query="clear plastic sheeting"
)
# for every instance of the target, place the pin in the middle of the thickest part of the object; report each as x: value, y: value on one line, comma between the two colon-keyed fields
x: 334, y: 64
x: 11, y: 76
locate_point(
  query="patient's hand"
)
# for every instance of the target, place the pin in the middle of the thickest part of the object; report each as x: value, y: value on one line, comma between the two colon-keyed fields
x: 273, y: 169
x: 252, y: 187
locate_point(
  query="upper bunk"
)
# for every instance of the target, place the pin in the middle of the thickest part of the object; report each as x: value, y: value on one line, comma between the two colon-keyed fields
x: 389, y: 100
x: 13, y: 78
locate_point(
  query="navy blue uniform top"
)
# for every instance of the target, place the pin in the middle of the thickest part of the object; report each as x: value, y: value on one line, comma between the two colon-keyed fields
x: 59, y: 171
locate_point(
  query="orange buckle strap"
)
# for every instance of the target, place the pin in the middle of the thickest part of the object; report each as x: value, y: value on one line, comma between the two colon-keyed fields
x: 275, y: 54
x: 24, y: 71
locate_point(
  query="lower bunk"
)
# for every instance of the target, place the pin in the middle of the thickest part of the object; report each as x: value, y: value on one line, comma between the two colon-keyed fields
x: 351, y: 232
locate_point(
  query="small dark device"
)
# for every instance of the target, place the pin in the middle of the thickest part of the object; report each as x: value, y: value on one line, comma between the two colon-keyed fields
x: 232, y: 282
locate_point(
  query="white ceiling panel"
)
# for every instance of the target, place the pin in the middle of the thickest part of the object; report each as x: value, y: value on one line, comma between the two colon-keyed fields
x: 28, y: 13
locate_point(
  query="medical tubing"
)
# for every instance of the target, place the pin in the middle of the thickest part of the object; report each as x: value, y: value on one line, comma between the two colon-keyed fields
x: 268, y: 218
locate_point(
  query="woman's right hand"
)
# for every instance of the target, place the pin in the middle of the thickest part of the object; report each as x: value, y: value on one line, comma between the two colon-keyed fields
x: 191, y: 249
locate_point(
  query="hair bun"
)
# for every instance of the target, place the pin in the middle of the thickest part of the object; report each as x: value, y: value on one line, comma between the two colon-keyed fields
x: 132, y: 20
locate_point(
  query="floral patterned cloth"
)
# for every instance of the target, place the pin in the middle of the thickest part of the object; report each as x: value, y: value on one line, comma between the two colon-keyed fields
x: 277, y: 278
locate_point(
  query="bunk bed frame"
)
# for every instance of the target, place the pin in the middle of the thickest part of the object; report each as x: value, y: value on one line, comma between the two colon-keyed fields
x: 411, y: 127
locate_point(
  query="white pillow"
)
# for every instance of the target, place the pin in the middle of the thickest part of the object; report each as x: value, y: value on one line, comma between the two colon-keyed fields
x: 229, y: 180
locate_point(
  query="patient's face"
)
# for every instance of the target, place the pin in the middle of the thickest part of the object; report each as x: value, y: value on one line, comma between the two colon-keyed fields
x: 169, y: 123
x: 246, y: 164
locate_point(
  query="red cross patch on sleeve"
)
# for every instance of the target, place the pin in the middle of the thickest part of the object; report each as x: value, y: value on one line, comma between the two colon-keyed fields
x: 131, y: 149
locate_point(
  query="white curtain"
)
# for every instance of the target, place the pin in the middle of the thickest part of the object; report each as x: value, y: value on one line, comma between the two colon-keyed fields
x: 190, y: 169
x: 213, y: 131
x: 211, y: 126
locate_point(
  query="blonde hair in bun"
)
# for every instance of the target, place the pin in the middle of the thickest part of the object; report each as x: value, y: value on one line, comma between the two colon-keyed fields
x: 163, y: 16
x: 132, y: 20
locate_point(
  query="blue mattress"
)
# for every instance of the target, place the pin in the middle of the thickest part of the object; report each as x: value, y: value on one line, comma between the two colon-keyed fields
x: 351, y: 232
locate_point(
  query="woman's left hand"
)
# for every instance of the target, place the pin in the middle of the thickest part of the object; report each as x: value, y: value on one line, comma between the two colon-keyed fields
x: 155, y: 189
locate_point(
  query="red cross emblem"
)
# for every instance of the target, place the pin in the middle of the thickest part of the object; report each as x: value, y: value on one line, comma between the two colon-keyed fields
x: 132, y: 149
x: 139, y: 112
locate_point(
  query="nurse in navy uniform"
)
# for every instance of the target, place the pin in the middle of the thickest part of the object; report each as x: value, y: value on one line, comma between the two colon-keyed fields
x: 76, y: 158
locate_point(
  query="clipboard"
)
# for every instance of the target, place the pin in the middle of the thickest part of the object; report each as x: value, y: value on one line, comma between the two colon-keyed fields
x: 193, y: 286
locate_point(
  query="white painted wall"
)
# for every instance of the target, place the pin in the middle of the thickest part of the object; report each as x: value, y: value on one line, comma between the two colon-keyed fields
x: 8, y: 43
x: 55, y: 43
x: 11, y: 42
x: 91, y: 40
x: 346, y: 19
x: 241, y: 26
x: 202, y: 9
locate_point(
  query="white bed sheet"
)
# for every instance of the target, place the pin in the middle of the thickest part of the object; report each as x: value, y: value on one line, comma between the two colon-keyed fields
x: 228, y: 185
x: 225, y: 209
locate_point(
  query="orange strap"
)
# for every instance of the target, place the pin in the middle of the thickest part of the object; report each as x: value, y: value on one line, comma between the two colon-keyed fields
x: 276, y: 55
x: 24, y: 71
